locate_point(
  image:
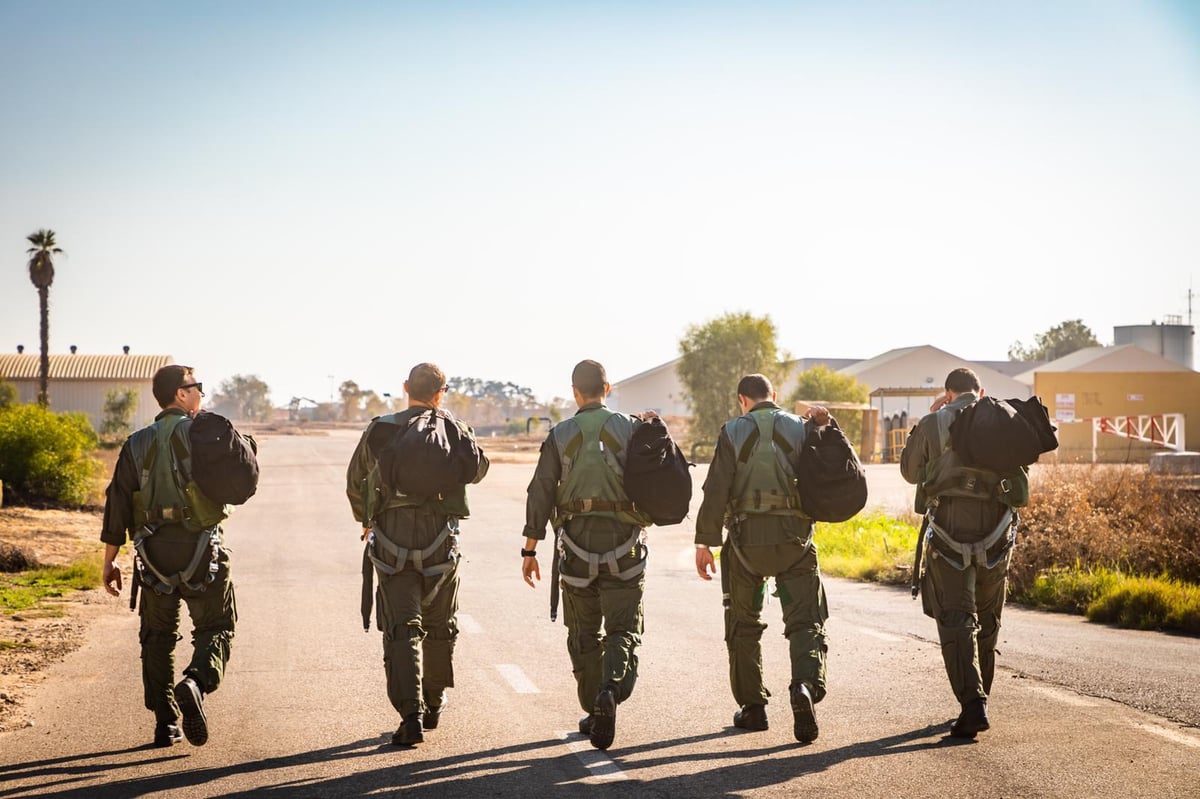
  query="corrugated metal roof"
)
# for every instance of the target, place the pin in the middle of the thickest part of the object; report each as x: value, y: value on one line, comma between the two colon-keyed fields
x: 84, y: 367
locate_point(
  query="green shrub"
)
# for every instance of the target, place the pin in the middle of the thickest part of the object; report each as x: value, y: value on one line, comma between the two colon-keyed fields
x: 1149, y: 603
x: 1071, y: 589
x: 868, y: 547
x: 8, y: 393
x: 45, y: 456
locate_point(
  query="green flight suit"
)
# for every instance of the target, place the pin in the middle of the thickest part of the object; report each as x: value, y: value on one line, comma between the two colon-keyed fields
x: 774, y: 544
x: 416, y: 603
x: 965, y: 599
x: 211, y: 604
x: 604, y: 618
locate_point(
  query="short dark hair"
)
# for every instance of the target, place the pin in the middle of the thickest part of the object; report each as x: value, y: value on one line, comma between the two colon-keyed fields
x: 589, y: 378
x: 167, y: 381
x: 425, y: 380
x: 962, y: 380
x: 756, y: 387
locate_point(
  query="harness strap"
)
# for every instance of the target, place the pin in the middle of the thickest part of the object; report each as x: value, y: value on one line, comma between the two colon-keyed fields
x: 737, y: 551
x: 417, y: 557
x: 765, y: 501
x: 166, y: 584
x: 596, y: 505
x: 595, y: 558
x: 977, y: 552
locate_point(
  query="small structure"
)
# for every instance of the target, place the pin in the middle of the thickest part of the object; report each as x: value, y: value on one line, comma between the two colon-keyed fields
x: 82, y: 382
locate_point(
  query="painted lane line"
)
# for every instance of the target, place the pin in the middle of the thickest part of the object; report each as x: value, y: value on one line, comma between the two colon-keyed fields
x: 516, y: 678
x: 1171, y: 735
x: 596, y: 762
x: 1064, y: 696
x: 882, y: 636
x: 468, y: 624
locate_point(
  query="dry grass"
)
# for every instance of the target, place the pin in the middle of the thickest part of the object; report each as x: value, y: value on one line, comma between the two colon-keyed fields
x: 1111, y: 517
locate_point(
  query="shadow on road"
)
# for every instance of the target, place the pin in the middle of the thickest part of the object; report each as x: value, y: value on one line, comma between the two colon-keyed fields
x: 491, y: 772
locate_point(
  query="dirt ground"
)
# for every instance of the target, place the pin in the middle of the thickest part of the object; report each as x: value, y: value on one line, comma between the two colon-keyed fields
x: 33, y: 639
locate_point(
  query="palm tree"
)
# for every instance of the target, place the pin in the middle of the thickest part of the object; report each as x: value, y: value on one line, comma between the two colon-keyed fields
x: 41, y: 274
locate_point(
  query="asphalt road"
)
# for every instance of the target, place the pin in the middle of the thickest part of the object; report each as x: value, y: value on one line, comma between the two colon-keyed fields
x: 1078, y: 710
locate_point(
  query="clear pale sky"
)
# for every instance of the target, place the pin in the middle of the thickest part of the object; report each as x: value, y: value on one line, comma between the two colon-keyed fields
x: 318, y: 191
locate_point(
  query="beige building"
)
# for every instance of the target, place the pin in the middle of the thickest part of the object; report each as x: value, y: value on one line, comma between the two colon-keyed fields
x: 1101, y: 396
x: 82, y: 382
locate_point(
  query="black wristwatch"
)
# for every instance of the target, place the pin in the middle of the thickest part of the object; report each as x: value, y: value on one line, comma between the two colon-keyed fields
x: 528, y: 553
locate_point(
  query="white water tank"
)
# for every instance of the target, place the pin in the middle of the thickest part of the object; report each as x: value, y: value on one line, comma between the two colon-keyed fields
x: 1173, y: 342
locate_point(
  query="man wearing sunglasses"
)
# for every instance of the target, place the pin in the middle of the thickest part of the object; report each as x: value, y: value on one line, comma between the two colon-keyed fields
x: 179, y: 556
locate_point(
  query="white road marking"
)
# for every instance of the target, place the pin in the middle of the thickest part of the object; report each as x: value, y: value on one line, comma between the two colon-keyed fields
x: 516, y: 678
x: 468, y: 624
x: 882, y: 636
x: 1064, y: 696
x: 1170, y: 735
x: 594, y: 760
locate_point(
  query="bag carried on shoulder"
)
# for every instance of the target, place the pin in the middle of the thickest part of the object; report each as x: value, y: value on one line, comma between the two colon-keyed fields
x: 1003, y: 435
x: 224, y: 461
x: 657, y: 476
x: 428, y: 456
x: 829, y: 476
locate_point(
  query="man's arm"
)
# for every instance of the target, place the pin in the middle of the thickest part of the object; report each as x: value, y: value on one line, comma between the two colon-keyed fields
x: 710, y: 520
x: 539, y: 507
x: 356, y: 474
x: 915, y: 454
x: 118, y: 516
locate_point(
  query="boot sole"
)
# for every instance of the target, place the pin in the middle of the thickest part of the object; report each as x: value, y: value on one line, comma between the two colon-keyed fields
x: 805, y: 718
x: 194, y: 722
x: 604, y: 720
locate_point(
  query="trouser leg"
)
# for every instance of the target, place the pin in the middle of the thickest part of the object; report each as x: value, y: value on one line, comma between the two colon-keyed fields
x: 158, y: 634
x: 949, y: 598
x: 399, y: 602
x: 991, y: 586
x: 743, y: 631
x: 214, y: 616
x: 805, y: 610
x: 621, y: 605
x: 439, y: 620
x: 583, y: 617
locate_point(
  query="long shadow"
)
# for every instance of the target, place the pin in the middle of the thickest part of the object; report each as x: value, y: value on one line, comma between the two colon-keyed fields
x: 544, y: 767
x: 389, y: 777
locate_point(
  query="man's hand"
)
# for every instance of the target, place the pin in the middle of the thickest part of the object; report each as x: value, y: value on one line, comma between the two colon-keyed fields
x: 530, y: 570
x: 941, y: 402
x: 110, y: 575
x: 819, y: 414
x: 706, y: 567
x: 366, y: 532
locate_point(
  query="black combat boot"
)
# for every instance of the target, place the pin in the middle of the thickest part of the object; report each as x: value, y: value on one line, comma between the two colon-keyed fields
x: 585, y: 725
x: 433, y: 713
x: 190, y: 698
x: 604, y: 718
x: 972, y: 721
x: 166, y: 735
x: 409, y: 732
x: 803, y: 713
x: 751, y: 717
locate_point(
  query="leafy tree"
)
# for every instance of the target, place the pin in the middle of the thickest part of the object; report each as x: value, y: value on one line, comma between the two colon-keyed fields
x: 8, y: 393
x: 41, y: 274
x: 243, y: 397
x: 119, y: 405
x: 820, y: 383
x: 374, y: 405
x: 46, y: 456
x: 716, y: 355
x: 351, y: 396
x: 1070, y: 336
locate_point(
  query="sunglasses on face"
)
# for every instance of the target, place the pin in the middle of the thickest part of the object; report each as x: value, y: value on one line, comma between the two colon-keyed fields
x: 198, y: 386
